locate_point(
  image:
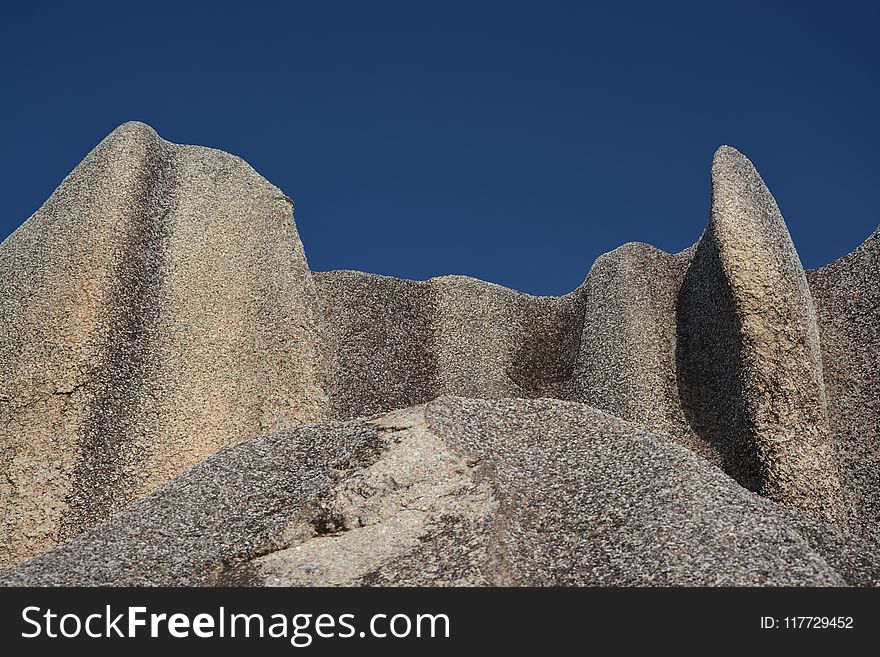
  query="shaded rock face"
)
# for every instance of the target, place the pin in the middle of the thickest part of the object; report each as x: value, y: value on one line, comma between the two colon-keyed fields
x: 380, y: 341
x: 847, y: 295
x: 626, y: 363
x: 159, y: 308
x: 709, y: 364
x: 395, y: 343
x: 458, y: 492
x: 748, y: 351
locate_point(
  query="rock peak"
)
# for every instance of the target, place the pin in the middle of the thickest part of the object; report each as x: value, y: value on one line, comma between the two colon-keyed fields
x: 158, y: 319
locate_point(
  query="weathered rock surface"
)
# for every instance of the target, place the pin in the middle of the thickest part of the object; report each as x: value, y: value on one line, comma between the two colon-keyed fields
x: 716, y: 347
x: 396, y: 343
x: 380, y: 339
x: 750, y: 368
x: 159, y: 307
x: 847, y: 295
x: 626, y: 363
x: 458, y: 492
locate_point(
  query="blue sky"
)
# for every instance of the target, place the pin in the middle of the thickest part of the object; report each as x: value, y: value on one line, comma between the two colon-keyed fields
x: 514, y: 142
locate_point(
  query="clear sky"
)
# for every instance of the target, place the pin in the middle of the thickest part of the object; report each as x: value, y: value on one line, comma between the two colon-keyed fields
x: 510, y: 141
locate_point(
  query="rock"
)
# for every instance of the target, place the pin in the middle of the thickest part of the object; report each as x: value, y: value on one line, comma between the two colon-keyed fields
x: 157, y: 307
x: 458, y: 492
x: 654, y: 338
x: 620, y: 506
x: 626, y: 364
x: 380, y: 340
x: 750, y: 369
x: 847, y: 295
x: 395, y: 343
x: 479, y: 328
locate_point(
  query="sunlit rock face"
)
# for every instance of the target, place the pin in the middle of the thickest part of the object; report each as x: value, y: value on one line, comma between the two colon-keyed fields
x: 158, y: 317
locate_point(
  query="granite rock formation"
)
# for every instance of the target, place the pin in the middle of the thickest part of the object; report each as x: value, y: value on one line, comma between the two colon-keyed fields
x: 847, y: 298
x: 158, y: 310
x: 458, y: 492
x: 160, y: 294
x: 750, y: 366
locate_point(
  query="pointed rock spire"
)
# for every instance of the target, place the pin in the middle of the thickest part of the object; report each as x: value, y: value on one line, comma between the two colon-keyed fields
x: 750, y: 367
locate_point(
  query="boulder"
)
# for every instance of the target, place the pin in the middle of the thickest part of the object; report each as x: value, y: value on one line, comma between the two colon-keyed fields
x: 458, y: 492
x: 158, y: 307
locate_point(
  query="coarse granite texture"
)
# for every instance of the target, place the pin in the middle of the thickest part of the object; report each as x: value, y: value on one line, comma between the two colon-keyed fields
x: 160, y: 294
x: 847, y: 296
x: 395, y: 343
x: 458, y: 492
x: 626, y: 364
x: 380, y: 338
x: 750, y: 366
x: 159, y: 307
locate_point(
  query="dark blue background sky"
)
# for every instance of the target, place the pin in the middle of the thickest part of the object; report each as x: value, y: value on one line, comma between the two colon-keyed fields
x: 510, y: 141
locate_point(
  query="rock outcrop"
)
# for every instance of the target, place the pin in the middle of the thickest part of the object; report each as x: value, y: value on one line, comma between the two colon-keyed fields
x: 396, y: 343
x: 458, y: 492
x: 159, y: 308
x: 750, y: 368
x: 626, y: 364
x: 156, y: 308
x: 847, y: 296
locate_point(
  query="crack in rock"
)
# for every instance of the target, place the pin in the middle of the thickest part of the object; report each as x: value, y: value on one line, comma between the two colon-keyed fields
x: 381, y: 512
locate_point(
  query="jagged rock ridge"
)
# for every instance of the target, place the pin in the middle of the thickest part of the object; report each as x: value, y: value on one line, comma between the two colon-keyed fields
x: 159, y: 306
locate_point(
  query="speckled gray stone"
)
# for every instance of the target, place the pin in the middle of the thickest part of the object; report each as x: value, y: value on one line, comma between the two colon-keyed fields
x: 458, y: 492
x: 394, y: 343
x: 590, y: 499
x: 380, y: 340
x: 750, y: 370
x: 157, y: 307
x: 226, y: 508
x: 626, y: 363
x: 847, y: 295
